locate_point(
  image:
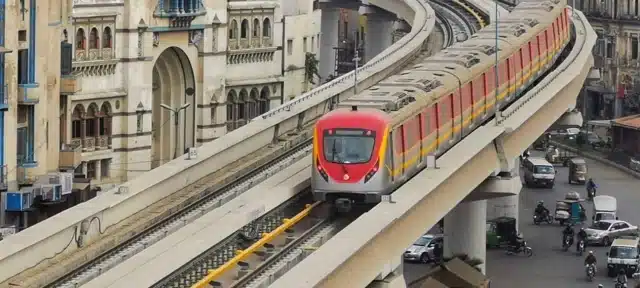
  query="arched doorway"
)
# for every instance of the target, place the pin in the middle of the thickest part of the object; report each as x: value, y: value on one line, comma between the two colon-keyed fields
x: 173, y: 86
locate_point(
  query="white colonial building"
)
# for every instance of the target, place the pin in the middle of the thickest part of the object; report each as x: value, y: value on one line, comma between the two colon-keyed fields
x: 216, y: 64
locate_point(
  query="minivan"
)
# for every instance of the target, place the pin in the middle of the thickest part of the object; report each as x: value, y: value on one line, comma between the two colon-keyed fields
x: 538, y: 172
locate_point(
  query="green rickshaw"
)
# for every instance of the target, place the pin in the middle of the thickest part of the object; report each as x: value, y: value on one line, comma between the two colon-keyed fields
x: 499, y: 231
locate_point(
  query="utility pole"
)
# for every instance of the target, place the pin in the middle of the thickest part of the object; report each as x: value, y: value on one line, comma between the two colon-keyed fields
x: 495, y: 102
x: 356, y: 60
x: 176, y: 122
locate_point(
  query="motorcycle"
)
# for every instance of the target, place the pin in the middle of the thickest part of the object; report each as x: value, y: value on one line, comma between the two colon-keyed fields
x: 591, y: 272
x: 621, y: 285
x: 580, y: 247
x: 566, y: 243
x: 591, y: 192
x: 524, y: 249
x: 542, y: 217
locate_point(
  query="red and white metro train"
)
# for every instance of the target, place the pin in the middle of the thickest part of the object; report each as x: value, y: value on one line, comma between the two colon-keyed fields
x: 378, y: 139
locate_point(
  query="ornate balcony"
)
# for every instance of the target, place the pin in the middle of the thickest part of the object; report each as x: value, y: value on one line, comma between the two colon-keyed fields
x: 103, y: 142
x: 244, y: 43
x: 255, y: 42
x: 233, y: 44
x: 88, y: 144
x: 70, y: 157
x: 267, y: 41
x: 76, y: 142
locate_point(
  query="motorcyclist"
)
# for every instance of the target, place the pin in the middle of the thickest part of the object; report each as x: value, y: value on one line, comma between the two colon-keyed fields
x: 582, y: 235
x: 568, y: 232
x: 622, y: 276
x: 540, y: 209
x: 591, y: 260
x: 516, y: 241
x: 591, y: 185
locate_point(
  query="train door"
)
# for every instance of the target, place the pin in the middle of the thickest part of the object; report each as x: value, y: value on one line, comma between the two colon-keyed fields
x: 503, y: 84
x: 517, y: 69
x: 398, y: 154
x: 456, y: 115
x: 444, y: 123
x: 419, y: 143
x: 411, y: 145
x: 534, y: 55
x: 466, y: 106
x: 479, y: 104
x: 426, y: 133
x: 490, y: 91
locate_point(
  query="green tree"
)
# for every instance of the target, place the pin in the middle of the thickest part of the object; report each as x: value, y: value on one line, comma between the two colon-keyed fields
x: 311, y: 68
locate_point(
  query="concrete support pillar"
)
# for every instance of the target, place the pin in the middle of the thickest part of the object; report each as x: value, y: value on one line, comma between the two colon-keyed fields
x: 329, y: 39
x: 465, y: 231
x: 504, y: 207
x: 379, y: 35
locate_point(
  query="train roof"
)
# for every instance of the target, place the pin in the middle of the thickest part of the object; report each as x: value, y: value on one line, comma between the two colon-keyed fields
x: 444, y: 71
x: 344, y: 112
x: 386, y: 98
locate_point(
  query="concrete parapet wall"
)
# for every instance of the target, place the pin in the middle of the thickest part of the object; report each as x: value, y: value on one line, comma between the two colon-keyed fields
x: 61, y: 233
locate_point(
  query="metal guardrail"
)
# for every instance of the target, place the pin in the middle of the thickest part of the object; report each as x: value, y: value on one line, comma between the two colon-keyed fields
x: 243, y: 254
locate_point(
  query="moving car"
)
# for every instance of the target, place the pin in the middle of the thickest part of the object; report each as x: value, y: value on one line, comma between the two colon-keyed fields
x: 422, y: 249
x: 605, y: 231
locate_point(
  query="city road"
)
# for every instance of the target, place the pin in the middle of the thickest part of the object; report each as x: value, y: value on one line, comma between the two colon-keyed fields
x: 549, y: 266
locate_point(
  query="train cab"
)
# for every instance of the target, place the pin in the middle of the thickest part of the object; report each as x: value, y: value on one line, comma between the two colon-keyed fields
x: 349, y: 153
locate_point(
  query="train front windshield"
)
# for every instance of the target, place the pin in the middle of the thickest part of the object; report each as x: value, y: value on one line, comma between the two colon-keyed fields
x: 348, y: 146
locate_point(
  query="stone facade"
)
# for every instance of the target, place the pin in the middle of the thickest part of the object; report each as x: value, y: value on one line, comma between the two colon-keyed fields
x: 617, y: 23
x: 216, y: 64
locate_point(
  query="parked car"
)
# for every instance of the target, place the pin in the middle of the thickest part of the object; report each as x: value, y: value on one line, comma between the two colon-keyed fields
x: 568, y: 133
x: 422, y: 249
x: 605, y: 231
x: 593, y: 140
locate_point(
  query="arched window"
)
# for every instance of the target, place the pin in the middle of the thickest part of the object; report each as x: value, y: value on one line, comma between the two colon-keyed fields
x: 91, y: 127
x: 233, y: 30
x: 231, y: 110
x: 94, y: 39
x: 264, y: 100
x: 65, y: 36
x: 242, y: 113
x: 104, y: 125
x: 244, y: 29
x: 80, y: 39
x: 256, y: 28
x: 266, y: 27
x: 253, y: 103
x: 77, y: 131
x: 106, y: 38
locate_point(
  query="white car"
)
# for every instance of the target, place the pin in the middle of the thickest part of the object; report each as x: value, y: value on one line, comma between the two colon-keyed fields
x: 605, y: 231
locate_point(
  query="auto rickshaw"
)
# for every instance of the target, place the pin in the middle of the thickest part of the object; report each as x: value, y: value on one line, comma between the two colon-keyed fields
x: 556, y: 156
x: 570, y: 209
x: 500, y: 230
x: 577, y: 170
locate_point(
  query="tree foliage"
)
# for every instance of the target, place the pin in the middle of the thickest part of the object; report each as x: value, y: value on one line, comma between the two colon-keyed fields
x: 311, y: 67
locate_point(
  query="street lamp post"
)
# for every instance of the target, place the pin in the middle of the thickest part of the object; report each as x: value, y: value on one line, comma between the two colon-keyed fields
x: 176, y: 121
x: 356, y: 60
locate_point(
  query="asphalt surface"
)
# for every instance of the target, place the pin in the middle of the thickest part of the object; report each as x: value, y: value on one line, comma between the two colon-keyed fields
x: 549, y: 266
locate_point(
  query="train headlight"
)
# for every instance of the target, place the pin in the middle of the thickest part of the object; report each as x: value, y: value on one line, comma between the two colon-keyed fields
x: 321, y: 171
x: 373, y: 171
